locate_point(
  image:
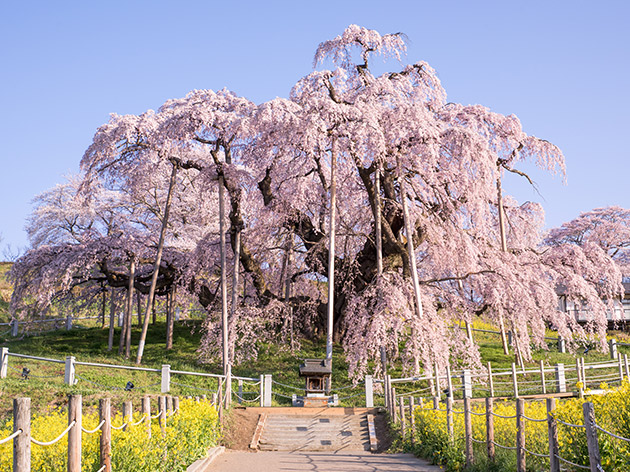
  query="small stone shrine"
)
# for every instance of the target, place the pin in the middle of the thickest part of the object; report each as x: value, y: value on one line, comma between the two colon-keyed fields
x: 317, y: 374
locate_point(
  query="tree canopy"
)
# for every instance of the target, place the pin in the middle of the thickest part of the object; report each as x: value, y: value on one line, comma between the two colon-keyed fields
x: 443, y: 160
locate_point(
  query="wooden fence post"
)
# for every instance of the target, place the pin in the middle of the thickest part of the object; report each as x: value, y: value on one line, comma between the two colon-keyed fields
x: 627, y: 366
x: 612, y: 347
x: 14, y: 328
x: 146, y: 411
x: 562, y: 345
x: 4, y: 362
x: 542, y: 377
x: 162, y: 410
x: 240, y: 391
x: 520, y: 435
x: 369, y: 392
x: 68, y: 377
x: 552, y: 426
x: 436, y: 403
x: 591, y: 437
x: 268, y: 391
x: 580, y: 380
x: 127, y: 414
x: 412, y: 419
x: 620, y: 359
x: 176, y: 404
x: 402, y: 415
x: 514, y: 381
x: 561, y: 384
x: 467, y: 384
x: 74, y: 435
x: 437, y: 381
x: 469, y: 432
x: 393, y: 405
x: 166, y: 378
x: 449, y: 416
x: 169, y: 404
x: 490, y: 429
x: 262, y: 390
x: 22, y: 443
x: 490, y: 380
x: 105, y: 415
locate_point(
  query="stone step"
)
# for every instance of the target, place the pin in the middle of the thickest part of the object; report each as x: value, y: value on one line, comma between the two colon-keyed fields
x: 315, y: 433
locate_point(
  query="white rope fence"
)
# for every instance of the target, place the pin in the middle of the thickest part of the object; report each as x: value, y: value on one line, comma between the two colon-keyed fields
x: 57, y: 439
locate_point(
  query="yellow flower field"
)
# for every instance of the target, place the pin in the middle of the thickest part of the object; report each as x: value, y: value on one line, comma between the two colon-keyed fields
x: 188, y: 435
x: 612, y: 413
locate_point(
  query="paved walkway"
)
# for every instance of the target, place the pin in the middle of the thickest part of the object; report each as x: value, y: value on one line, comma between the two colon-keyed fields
x: 233, y: 461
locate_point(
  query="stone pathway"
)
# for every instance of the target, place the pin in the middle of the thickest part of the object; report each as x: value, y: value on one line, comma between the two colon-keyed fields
x: 263, y: 461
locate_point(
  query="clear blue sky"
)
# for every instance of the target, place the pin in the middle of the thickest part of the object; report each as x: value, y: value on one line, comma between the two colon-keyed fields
x: 562, y: 67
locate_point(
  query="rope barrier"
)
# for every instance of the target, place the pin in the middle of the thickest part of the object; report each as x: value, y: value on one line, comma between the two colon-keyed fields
x: 504, y: 447
x: 33, y: 375
x: 101, y: 469
x: 124, y: 425
x: 478, y: 414
x: 544, y: 456
x: 142, y: 418
x: 193, y: 387
x: 50, y: 443
x: 156, y: 416
x: 611, y: 434
x: 477, y: 441
x: 535, y: 420
x: 13, y: 436
x: 283, y: 396
x: 348, y: 386
x: 570, y: 424
x: 360, y: 394
x: 287, y: 386
x: 93, y: 430
x: 504, y: 417
x: 571, y: 463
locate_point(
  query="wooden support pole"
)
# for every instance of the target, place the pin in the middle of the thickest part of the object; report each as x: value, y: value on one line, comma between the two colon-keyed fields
x: 146, y: 411
x: 552, y: 427
x: 449, y: 417
x: 520, y: 435
x: 105, y: 415
x: 580, y: 379
x: 437, y: 381
x: 449, y: 381
x: 22, y: 443
x: 542, y: 377
x: 514, y: 381
x: 594, y: 458
x: 74, y: 435
x: 176, y: 403
x: 436, y: 403
x: 490, y: 429
x: 127, y: 413
x: 620, y: 360
x: 468, y: 432
x: 412, y: 419
x: 490, y: 380
x: 627, y: 366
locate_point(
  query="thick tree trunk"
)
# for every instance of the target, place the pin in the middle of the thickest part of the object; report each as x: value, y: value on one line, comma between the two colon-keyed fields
x: 224, y: 310
x: 156, y: 267
x: 103, y: 303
